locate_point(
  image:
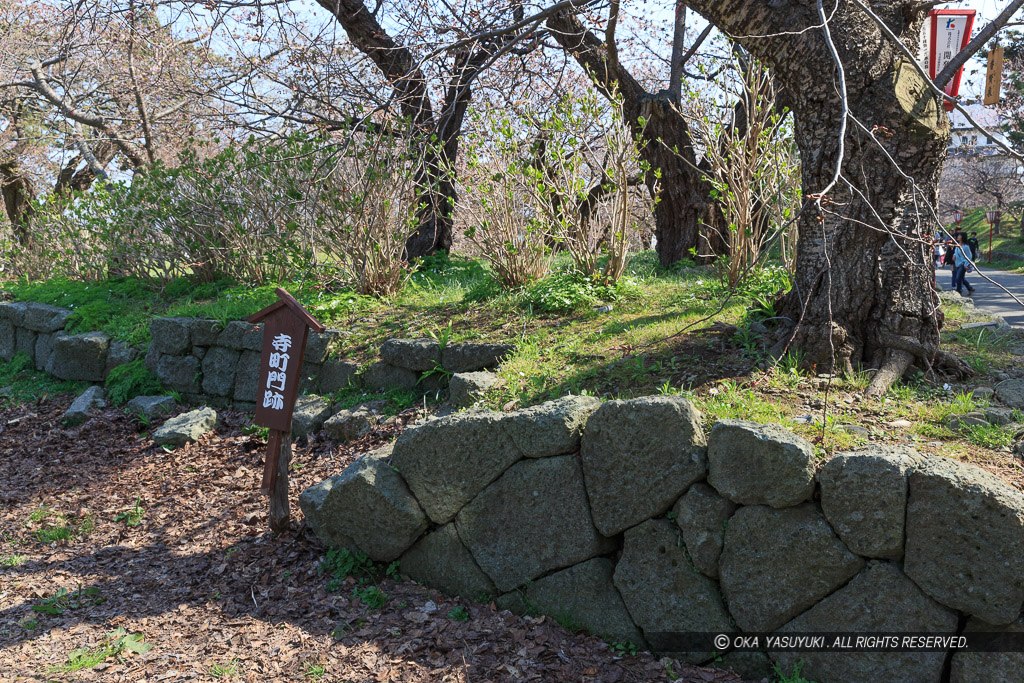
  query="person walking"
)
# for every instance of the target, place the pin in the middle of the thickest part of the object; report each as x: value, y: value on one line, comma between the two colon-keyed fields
x: 960, y: 264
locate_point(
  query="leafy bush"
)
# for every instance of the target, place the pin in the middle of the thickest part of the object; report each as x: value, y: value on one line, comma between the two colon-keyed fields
x: 127, y: 381
x: 565, y: 292
x: 257, y: 212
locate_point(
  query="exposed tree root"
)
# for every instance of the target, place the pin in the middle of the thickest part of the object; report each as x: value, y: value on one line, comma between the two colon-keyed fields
x: 892, y: 369
x: 903, y: 351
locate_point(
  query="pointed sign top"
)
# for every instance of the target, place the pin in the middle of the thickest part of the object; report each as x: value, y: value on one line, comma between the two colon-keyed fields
x: 287, y: 300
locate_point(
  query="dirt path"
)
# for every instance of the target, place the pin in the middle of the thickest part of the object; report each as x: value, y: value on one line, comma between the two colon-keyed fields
x: 214, y: 593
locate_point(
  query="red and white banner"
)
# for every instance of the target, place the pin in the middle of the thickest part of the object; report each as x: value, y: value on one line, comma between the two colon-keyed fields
x: 946, y: 32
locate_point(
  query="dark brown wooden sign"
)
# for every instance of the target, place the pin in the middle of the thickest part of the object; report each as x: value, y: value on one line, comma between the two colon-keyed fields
x: 286, y: 326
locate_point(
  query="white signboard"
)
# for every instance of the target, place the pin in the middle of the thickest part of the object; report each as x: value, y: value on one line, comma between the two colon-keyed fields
x: 950, y: 30
x: 944, y: 34
x: 924, y: 59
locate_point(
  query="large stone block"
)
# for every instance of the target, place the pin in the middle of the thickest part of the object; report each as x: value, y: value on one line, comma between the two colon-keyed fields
x: 348, y: 425
x: 413, y: 354
x: 532, y: 520
x: 473, y: 356
x: 440, y: 560
x: 241, y: 335
x: 320, y: 344
x: 25, y: 341
x: 990, y: 667
x: 247, y: 376
x: 1011, y: 392
x: 186, y: 428
x: 965, y: 539
x: 205, y: 332
x: 639, y: 456
x: 383, y: 376
x: 663, y: 593
x: 450, y: 460
x: 864, y: 497
x: 466, y: 388
x: 367, y: 508
x: 754, y: 464
x: 551, y: 428
x: 879, y: 600
x: 79, y: 356
x: 151, y: 407
x: 219, y: 367
x: 14, y: 311
x: 701, y: 515
x: 180, y: 373
x: 44, y: 349
x: 335, y: 375
x: 308, y: 418
x: 119, y: 354
x: 152, y: 359
x: 81, y: 406
x: 582, y: 596
x: 171, y: 335
x: 44, y: 318
x: 778, y: 562
x: 7, y: 339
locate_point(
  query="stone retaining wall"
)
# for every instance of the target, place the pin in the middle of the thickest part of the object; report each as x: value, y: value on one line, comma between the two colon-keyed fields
x: 38, y: 330
x: 627, y: 520
x: 209, y: 362
x: 206, y: 361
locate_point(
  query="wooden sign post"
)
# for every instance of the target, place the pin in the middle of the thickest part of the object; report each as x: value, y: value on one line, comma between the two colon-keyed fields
x: 286, y: 326
x: 993, y: 76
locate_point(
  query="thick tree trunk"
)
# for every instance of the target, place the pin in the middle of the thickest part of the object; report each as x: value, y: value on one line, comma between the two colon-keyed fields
x: 18, y: 193
x: 685, y: 218
x: 862, y: 294
x: 403, y: 72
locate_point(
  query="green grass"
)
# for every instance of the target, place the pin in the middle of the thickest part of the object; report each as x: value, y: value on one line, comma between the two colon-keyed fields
x: 459, y: 613
x: 795, y: 677
x: 729, y: 400
x: 371, y: 596
x: 341, y: 563
x: 127, y: 381
x: 132, y: 517
x: 26, y: 384
x: 56, y: 526
x: 11, y: 560
x: 988, y: 436
x: 64, y: 600
x: 229, y: 670
x: 315, y: 671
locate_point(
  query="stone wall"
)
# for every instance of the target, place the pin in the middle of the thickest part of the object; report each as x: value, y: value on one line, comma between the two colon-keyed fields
x: 206, y: 361
x: 38, y: 330
x: 209, y: 362
x: 627, y: 520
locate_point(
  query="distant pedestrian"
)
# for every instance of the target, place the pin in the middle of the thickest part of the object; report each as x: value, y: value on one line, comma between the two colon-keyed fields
x: 939, y: 250
x: 960, y: 265
x: 972, y: 242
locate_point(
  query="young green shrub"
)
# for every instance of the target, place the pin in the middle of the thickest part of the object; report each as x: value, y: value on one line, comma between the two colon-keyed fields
x: 127, y: 381
x: 505, y: 221
x: 566, y: 292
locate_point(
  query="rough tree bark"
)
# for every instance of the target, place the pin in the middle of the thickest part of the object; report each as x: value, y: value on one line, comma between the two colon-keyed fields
x: 862, y: 294
x: 685, y: 217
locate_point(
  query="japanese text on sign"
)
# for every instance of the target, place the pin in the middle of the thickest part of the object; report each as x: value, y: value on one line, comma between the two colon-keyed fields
x: 273, y: 396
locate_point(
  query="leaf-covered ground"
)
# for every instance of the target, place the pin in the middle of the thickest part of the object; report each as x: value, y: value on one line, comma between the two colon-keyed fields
x: 109, y: 544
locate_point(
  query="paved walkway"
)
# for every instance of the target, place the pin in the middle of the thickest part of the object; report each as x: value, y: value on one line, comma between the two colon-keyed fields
x: 991, y: 298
